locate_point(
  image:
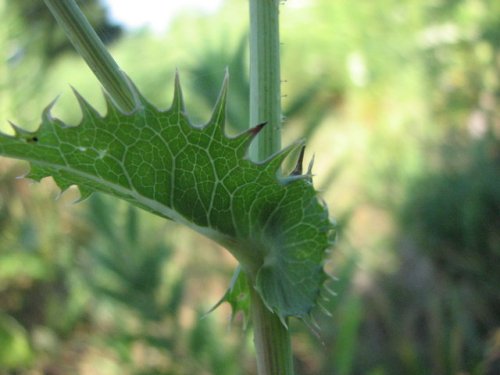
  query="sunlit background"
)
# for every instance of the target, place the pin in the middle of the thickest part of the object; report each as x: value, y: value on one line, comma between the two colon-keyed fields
x: 155, y: 15
x: 400, y: 103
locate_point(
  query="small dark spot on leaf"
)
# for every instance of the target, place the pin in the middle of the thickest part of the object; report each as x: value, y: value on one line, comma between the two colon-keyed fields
x: 33, y: 139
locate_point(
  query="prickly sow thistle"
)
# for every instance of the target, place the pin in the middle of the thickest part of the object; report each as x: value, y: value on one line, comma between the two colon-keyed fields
x: 275, y: 225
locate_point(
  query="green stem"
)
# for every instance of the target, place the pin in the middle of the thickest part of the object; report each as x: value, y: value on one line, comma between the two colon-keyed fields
x: 271, y: 337
x: 90, y: 47
x: 265, y: 80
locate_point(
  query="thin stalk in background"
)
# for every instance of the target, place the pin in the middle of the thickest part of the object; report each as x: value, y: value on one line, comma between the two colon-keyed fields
x: 90, y: 47
x: 271, y: 336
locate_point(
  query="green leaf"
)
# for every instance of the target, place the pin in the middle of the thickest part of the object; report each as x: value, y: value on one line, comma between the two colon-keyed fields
x: 15, y: 351
x: 275, y: 225
x: 237, y: 295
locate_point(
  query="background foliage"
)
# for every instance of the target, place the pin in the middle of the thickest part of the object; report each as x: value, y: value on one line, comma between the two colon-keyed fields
x: 399, y: 101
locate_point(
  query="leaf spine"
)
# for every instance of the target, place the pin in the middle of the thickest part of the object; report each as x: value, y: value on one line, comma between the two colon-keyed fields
x: 85, y: 107
x: 178, y: 101
x: 219, y: 112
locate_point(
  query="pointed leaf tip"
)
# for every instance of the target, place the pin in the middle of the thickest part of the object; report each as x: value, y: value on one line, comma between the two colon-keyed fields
x: 237, y: 295
x: 297, y: 171
x: 18, y: 131
x: 219, y: 111
x: 313, y: 325
x: 177, y: 101
x: 310, y: 166
x: 46, y: 114
x: 85, y: 106
x: 256, y: 129
x: 277, y: 159
x: 323, y: 308
x: 242, y: 140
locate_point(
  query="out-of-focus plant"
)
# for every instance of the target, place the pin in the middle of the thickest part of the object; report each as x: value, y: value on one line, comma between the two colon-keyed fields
x: 440, y: 309
x: 454, y: 214
x: 37, y: 275
x: 147, y: 289
x: 120, y: 272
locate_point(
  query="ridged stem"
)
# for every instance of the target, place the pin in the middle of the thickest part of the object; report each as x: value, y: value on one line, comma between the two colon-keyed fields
x: 271, y: 336
x: 90, y: 47
x: 265, y: 80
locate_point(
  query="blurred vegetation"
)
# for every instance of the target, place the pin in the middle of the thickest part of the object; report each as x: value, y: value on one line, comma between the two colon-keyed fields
x: 399, y: 100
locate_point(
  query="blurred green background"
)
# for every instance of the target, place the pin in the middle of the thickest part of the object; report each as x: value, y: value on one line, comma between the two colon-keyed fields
x: 399, y: 102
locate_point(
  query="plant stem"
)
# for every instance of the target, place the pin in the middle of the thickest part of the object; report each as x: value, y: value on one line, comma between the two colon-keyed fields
x: 271, y: 337
x: 265, y: 80
x: 90, y: 47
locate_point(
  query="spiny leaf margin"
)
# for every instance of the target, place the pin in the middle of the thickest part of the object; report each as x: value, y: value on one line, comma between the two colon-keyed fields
x: 275, y: 225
